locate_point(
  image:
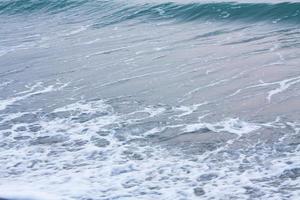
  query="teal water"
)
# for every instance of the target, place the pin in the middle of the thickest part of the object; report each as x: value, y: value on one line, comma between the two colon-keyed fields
x: 119, y: 11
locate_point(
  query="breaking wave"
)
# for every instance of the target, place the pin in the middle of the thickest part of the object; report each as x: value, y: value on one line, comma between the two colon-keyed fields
x: 115, y: 11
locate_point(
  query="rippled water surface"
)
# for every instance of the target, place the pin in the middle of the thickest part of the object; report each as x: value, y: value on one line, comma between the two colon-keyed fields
x: 103, y: 100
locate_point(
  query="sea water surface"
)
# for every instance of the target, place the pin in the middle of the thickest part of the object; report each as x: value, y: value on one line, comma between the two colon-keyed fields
x: 149, y: 99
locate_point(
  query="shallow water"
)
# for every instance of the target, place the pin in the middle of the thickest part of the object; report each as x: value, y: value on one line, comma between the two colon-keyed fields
x: 149, y: 100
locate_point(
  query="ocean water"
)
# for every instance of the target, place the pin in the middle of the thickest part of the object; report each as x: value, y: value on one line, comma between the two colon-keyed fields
x: 149, y: 99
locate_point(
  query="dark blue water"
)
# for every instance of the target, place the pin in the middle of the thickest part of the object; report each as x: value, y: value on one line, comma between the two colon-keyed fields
x: 149, y: 99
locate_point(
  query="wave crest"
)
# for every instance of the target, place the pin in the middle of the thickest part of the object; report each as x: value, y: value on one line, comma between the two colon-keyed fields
x: 114, y: 11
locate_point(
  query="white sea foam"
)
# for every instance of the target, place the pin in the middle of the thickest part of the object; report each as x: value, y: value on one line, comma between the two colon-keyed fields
x: 4, y: 84
x: 231, y: 125
x: 283, y: 86
x: 33, y: 90
x: 64, y: 159
x: 93, y: 107
x: 187, y: 110
x: 23, y: 192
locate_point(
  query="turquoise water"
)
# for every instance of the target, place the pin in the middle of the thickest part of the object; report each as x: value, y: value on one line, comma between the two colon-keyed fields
x: 113, y: 11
